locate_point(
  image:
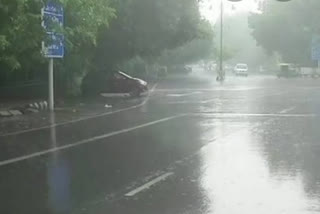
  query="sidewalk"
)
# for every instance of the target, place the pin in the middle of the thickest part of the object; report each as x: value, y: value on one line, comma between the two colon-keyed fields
x: 65, y: 112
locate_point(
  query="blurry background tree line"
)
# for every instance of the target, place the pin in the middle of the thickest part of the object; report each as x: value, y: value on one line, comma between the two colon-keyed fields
x: 287, y: 29
x: 100, y: 36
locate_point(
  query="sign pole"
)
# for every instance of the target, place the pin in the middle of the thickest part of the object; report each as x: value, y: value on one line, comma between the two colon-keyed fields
x: 52, y: 15
x: 51, y: 86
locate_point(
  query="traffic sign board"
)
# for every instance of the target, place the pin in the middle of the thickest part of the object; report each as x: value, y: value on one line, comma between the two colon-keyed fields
x: 53, y: 7
x: 54, y: 48
x: 52, y: 20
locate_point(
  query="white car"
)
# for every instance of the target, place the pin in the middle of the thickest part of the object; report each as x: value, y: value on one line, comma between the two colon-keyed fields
x: 241, y: 69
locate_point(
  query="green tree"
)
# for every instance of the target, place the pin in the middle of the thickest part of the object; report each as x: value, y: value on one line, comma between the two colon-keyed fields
x: 83, y: 18
x: 21, y: 34
x: 287, y: 29
x: 240, y: 45
x: 201, y: 48
x: 146, y: 28
x: 193, y: 51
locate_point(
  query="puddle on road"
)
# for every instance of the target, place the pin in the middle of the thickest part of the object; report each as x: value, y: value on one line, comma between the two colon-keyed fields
x: 236, y: 178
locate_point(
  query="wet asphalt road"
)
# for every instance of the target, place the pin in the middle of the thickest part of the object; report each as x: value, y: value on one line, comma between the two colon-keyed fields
x: 193, y: 146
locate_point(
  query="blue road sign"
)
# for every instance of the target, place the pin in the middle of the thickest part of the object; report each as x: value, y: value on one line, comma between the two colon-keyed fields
x: 52, y: 20
x: 53, y: 7
x: 315, y: 48
x: 54, y: 47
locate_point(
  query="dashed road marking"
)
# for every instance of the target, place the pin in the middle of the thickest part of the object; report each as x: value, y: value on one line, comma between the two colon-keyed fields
x: 284, y: 111
x: 149, y: 184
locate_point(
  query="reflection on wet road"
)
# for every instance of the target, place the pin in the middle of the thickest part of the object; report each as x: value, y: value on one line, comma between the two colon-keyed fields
x: 194, y: 147
x: 236, y: 178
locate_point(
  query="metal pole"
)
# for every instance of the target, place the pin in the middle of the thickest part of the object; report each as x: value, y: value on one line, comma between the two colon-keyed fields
x: 221, y: 39
x: 51, y: 90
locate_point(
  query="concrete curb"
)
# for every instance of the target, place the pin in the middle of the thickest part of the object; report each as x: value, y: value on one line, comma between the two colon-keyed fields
x: 41, y: 106
x: 25, y: 109
x: 10, y: 113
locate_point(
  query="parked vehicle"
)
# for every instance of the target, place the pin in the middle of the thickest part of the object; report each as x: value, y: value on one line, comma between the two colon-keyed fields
x: 310, y: 72
x: 241, y: 69
x: 287, y: 70
x: 97, y: 83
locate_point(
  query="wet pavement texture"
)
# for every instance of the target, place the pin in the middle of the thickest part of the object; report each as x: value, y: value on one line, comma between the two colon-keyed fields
x: 80, y: 110
x: 249, y: 145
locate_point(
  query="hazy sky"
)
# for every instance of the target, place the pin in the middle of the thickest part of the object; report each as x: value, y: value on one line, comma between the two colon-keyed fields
x: 210, y: 9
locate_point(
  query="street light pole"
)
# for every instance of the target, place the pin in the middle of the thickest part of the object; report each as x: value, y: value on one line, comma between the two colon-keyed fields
x: 221, y: 41
x: 221, y: 74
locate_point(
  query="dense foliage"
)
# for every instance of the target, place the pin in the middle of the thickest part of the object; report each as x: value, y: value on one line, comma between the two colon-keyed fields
x: 201, y: 48
x: 99, y: 34
x: 287, y: 29
x: 146, y: 28
x: 21, y: 35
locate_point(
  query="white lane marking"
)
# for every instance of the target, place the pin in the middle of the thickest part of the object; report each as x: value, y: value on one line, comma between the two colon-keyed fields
x: 154, y: 87
x: 149, y: 184
x: 284, y: 111
x: 115, y: 94
x: 183, y: 95
x: 258, y: 97
x: 148, y: 97
x: 252, y: 115
x: 182, y: 102
x: 215, y: 99
x: 84, y: 118
x: 271, y: 95
x: 209, y: 101
x: 207, y: 89
x: 85, y: 141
